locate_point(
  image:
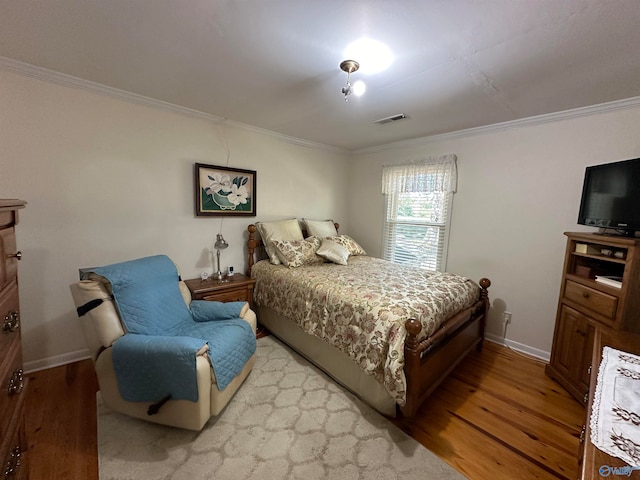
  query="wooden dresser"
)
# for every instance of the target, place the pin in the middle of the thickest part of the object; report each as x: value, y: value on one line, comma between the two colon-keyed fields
x: 596, y: 464
x: 588, y: 306
x: 13, y: 445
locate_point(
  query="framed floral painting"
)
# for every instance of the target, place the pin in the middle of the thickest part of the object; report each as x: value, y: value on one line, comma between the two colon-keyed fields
x: 222, y: 191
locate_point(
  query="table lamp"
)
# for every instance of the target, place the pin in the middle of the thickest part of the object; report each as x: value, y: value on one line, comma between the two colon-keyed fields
x: 220, y: 244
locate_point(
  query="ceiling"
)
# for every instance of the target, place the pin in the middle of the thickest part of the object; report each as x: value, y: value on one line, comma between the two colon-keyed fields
x: 273, y: 64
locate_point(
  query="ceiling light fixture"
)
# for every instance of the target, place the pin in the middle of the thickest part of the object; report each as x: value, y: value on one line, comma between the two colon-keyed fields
x: 350, y: 66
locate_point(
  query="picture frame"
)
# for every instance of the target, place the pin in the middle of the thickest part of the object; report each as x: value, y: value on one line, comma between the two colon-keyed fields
x: 224, y: 191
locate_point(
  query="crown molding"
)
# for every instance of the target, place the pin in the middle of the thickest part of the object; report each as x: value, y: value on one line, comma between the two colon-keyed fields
x: 62, y: 79
x: 615, y: 105
x: 65, y: 80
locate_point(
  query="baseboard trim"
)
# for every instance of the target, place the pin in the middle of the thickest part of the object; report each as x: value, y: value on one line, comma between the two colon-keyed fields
x: 56, y: 361
x: 519, y: 347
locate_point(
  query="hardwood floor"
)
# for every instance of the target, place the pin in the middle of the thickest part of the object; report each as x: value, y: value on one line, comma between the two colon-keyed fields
x: 499, y: 417
x: 61, y: 423
x: 496, y: 417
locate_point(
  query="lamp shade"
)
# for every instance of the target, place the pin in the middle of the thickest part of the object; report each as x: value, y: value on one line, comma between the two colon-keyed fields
x: 221, y: 243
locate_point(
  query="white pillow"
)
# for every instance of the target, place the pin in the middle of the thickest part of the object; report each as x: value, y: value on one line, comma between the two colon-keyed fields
x: 278, y: 230
x: 320, y: 228
x: 334, y: 252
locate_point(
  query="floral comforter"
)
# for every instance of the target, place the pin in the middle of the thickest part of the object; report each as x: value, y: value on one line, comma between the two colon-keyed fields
x: 361, y: 308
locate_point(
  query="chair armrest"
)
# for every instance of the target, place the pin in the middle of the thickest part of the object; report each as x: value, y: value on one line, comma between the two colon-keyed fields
x: 101, y: 325
x: 250, y: 316
x: 148, y: 367
x: 207, y: 311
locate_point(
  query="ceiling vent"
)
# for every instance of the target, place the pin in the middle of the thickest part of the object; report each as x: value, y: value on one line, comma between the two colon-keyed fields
x: 392, y: 118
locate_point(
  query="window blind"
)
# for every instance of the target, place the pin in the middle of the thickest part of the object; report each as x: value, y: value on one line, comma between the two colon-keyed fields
x: 417, y: 211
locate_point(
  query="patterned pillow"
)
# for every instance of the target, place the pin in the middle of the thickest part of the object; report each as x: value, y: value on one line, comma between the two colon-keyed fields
x: 278, y: 230
x: 333, y: 251
x: 295, y: 253
x: 350, y: 244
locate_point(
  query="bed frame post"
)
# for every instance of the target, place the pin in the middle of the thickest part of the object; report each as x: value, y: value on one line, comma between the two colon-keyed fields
x: 485, y: 283
x: 411, y: 365
x: 252, y: 243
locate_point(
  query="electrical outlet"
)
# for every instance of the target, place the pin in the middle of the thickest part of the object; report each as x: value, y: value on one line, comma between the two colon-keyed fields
x: 506, y: 317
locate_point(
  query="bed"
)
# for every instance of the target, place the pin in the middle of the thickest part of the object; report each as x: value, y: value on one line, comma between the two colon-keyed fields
x: 389, y: 333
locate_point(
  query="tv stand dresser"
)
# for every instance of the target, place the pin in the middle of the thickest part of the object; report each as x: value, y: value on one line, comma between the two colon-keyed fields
x: 589, y: 310
x: 587, y: 305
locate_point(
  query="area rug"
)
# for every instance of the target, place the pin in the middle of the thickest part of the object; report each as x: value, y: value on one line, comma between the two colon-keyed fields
x: 287, y: 421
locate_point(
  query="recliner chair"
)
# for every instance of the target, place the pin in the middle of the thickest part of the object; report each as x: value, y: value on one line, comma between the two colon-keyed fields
x: 103, y: 327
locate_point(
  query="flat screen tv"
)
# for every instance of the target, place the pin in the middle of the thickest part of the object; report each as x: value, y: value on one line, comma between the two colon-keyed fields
x: 611, y: 197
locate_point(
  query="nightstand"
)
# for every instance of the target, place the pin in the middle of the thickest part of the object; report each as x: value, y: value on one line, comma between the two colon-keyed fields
x: 237, y: 288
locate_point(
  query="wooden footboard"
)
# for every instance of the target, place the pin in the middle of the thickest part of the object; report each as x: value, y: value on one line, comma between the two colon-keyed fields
x: 429, y: 361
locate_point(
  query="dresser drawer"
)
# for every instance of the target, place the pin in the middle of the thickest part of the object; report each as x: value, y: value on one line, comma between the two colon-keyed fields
x: 7, y: 218
x: 594, y: 300
x: 237, y: 295
x: 11, y: 384
x: 8, y: 260
x: 9, y: 316
x: 13, y: 453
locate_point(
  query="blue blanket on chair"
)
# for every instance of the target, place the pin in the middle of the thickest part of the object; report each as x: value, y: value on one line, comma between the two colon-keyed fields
x: 157, y: 356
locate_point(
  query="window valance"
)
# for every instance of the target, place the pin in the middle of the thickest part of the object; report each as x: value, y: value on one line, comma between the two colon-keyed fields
x: 433, y: 174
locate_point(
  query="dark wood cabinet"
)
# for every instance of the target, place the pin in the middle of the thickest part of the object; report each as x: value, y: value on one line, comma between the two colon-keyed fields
x: 587, y: 305
x: 13, y: 443
x: 575, y: 339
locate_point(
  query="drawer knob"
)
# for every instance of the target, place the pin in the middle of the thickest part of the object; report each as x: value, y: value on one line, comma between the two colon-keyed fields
x: 11, y: 322
x: 13, y: 463
x: 17, y: 255
x: 585, y: 294
x: 16, y: 383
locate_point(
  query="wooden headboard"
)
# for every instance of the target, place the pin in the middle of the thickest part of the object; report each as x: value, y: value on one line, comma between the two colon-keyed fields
x: 256, y: 247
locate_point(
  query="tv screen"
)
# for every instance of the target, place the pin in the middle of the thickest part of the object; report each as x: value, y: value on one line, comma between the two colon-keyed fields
x: 611, y: 197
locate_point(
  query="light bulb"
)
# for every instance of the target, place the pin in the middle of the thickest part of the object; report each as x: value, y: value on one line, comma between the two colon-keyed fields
x: 359, y: 88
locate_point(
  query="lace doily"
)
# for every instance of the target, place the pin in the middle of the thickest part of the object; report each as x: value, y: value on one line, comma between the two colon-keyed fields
x: 615, y: 416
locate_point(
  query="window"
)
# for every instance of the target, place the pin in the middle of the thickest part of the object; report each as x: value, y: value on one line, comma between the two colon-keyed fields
x: 417, y: 211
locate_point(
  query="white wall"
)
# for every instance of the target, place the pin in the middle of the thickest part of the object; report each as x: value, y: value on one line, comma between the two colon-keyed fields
x: 108, y: 180
x: 518, y: 191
